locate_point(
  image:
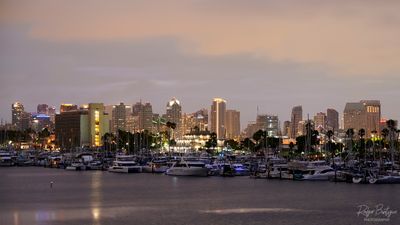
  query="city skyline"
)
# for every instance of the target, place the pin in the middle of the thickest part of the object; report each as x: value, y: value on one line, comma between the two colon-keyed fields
x: 272, y: 59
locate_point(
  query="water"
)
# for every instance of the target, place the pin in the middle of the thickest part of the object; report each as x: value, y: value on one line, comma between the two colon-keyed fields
x: 102, y: 198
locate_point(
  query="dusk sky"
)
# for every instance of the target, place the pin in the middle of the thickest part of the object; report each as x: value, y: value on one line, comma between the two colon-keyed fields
x: 271, y: 54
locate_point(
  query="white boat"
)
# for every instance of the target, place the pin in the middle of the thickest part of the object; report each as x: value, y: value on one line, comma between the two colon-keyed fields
x: 125, y: 164
x: 76, y: 166
x: 156, y: 166
x: 321, y: 173
x: 188, y: 168
x: 6, y: 159
x: 280, y: 171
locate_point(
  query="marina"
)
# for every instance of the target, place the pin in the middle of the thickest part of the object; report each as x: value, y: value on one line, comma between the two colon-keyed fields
x: 100, y: 197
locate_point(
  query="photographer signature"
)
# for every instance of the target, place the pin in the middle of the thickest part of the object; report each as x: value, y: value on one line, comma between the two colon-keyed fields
x: 379, y: 211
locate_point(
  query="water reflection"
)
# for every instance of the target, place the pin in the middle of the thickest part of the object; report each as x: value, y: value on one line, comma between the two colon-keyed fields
x: 95, y: 196
x: 16, y: 218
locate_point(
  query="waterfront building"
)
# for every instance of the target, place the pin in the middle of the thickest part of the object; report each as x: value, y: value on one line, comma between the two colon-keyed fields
x: 251, y: 128
x: 332, y: 120
x: 194, y: 140
x: 41, y: 121
x: 83, y: 127
x: 68, y: 107
x: 218, y: 111
x: 52, y: 114
x: 296, y: 117
x: 232, y: 121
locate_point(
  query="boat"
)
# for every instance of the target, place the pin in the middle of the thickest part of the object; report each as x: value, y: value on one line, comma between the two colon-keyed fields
x: 188, y: 168
x: 6, y: 159
x: 322, y: 173
x: 280, y: 171
x: 226, y: 170
x: 125, y: 164
x: 240, y: 169
x: 156, y: 166
x: 76, y: 166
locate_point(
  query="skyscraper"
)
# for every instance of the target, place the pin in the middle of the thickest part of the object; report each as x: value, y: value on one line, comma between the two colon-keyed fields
x: 98, y: 123
x: 17, y: 111
x: 43, y: 109
x: 232, y: 121
x: 174, y: 115
x: 144, y: 115
x: 296, y: 117
x: 372, y: 116
x: 68, y: 107
x: 354, y: 115
x: 218, y: 110
x: 269, y: 123
x: 320, y: 121
x: 120, y: 113
x: 52, y: 114
x: 286, y: 128
x: 332, y: 120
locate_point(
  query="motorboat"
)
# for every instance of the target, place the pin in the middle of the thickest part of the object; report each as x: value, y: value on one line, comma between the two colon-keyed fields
x: 125, y: 164
x: 156, y: 166
x: 323, y: 173
x: 280, y: 171
x: 76, y: 166
x: 226, y: 170
x: 240, y: 169
x: 6, y: 159
x: 188, y: 168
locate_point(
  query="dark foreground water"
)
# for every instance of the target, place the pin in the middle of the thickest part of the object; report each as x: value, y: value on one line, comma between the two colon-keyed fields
x: 101, y: 198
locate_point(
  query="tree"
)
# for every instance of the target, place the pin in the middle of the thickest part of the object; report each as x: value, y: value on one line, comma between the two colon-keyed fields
x: 248, y: 144
x: 350, y: 134
x: 232, y: 143
x: 212, y: 142
x: 361, y: 147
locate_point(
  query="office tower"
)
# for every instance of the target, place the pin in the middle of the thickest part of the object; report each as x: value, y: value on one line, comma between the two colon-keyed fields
x: 43, y: 109
x: 269, y: 123
x: 332, y: 120
x: 286, y: 128
x: 52, y: 113
x: 174, y: 115
x: 201, y: 117
x: 354, y: 115
x: 218, y: 110
x: 72, y: 129
x: 120, y: 114
x: 17, y: 111
x: 68, y: 107
x: 41, y: 121
x: 144, y: 116
x: 232, y: 121
x: 372, y: 116
x: 320, y: 121
x: 296, y: 117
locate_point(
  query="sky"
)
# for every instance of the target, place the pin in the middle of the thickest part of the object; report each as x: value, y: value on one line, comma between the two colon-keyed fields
x: 267, y: 54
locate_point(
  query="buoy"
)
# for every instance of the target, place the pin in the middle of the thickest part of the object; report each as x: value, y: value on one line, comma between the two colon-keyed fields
x: 51, y: 184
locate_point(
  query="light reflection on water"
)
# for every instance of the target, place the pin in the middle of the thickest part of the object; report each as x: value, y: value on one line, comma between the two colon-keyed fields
x: 96, y: 196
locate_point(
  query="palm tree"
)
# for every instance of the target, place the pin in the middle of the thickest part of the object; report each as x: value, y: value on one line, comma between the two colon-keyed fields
x: 329, y: 134
x: 350, y: 134
x: 171, y: 126
x: 391, y: 124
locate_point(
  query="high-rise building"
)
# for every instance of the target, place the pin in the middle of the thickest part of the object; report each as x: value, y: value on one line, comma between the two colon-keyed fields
x: 17, y: 111
x: 232, y: 121
x: 320, y: 121
x: 52, y: 114
x: 218, y: 110
x: 354, y: 115
x: 174, y: 115
x: 98, y: 123
x: 373, y: 116
x: 68, y: 107
x: 296, y: 117
x: 269, y: 123
x: 332, y: 120
x: 201, y: 117
x: 43, y: 109
x: 286, y: 128
x: 144, y: 116
x: 120, y: 115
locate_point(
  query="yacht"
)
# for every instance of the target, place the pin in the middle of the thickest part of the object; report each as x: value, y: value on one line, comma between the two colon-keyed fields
x: 188, y: 168
x: 6, y: 159
x: 280, y: 171
x: 76, y: 166
x: 156, y: 166
x: 240, y: 169
x: 321, y: 173
x: 125, y: 164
